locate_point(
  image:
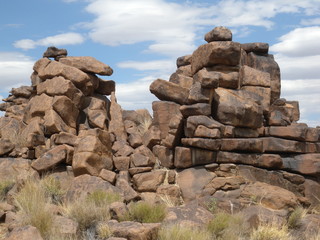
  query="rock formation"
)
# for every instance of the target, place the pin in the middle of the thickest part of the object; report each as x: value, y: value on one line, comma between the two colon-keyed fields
x: 220, y: 130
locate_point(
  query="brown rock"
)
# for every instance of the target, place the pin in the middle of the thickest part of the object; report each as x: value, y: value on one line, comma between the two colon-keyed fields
x: 23, y: 92
x: 168, y: 91
x: 134, y: 230
x: 135, y: 140
x: 55, y: 69
x: 207, y: 79
x: 257, y: 47
x: 106, y: 87
x: 5, y: 146
x: 242, y: 144
x: 227, y: 53
x: 192, y: 182
x: 184, y: 60
x: 139, y: 160
x: 270, y: 196
x: 294, y: 132
x: 253, y: 77
x: 66, y: 109
x: 194, y: 121
x: 170, y: 193
x: 85, y: 184
x: 267, y: 64
x: 164, y: 155
x: 108, y: 176
x: 182, y: 157
x: 41, y: 64
x: 88, y: 64
x: 136, y: 170
x: 204, y: 132
x: 233, y: 109
x: 60, y: 86
x: 181, y: 80
x: 50, y: 159
x: 148, y: 182
x: 122, y: 149
x: 312, y: 192
x: 306, y: 164
x: 175, y: 131
x: 261, y: 96
x: 272, y: 144
x: 53, y: 123
x: 25, y: 233
x: 152, y: 137
x: 196, y: 109
x: 116, y: 125
x: 245, y: 133
x: 121, y: 163
x: 210, y: 144
x: 15, y: 168
x: 313, y: 135
x: 123, y: 184
x: 197, y: 94
x: 225, y: 183
x: 37, y: 107
x: 65, y: 225
x: 65, y: 138
x: 219, y: 34
x: 53, y: 52
x: 185, y: 70
x: 296, y: 110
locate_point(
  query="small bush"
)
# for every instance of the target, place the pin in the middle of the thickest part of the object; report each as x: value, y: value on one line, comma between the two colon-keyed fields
x: 52, y: 188
x: 219, y: 224
x: 176, y: 232
x: 5, y: 187
x: 270, y: 232
x: 32, y: 203
x: 103, y: 231
x: 295, y: 217
x: 90, y: 210
x: 212, y: 205
x: 145, y: 212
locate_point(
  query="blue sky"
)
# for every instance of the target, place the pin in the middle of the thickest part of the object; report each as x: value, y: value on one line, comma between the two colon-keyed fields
x: 141, y: 39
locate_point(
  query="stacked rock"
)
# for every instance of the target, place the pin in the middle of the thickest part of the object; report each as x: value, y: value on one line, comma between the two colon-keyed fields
x: 223, y: 105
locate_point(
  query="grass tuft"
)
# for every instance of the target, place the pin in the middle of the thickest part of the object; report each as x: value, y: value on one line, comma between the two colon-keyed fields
x: 52, y: 188
x: 145, y: 212
x: 103, y: 231
x: 5, y: 187
x: 270, y: 232
x: 177, y: 232
x: 295, y: 217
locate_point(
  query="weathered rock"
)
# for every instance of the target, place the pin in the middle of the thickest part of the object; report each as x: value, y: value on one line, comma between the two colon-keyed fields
x: 134, y: 230
x: 170, y: 193
x: 65, y: 225
x: 25, y: 233
x: 106, y: 87
x: 123, y: 184
x: 85, y: 184
x: 66, y: 109
x: 148, y: 182
x: 257, y: 47
x: 168, y: 91
x: 222, y: 52
x: 224, y: 183
x: 135, y: 140
x: 137, y: 170
x: 53, y: 123
x: 197, y: 94
x: 306, y: 164
x: 64, y: 138
x: 272, y: 144
x: 181, y: 80
x: 194, y: 121
x: 185, y: 70
x: 60, y: 86
x: 164, y: 155
x: 246, y: 132
x: 207, y: 79
x: 242, y: 144
x: 152, y: 137
x: 6, y: 146
x: 204, y: 132
x: 219, y: 34
x: 281, y: 115
x: 182, y: 157
x: 229, y: 107
x: 267, y: 64
x: 296, y: 110
x: 50, y: 159
x: 139, y: 160
x: 192, y: 181
x: 88, y: 64
x: 122, y: 149
x: 210, y: 144
x: 116, y: 125
x: 108, y: 175
x: 53, y: 52
x: 270, y: 196
x: 184, y: 60
x: 196, y: 109
x: 37, y: 107
x: 312, y: 191
x: 118, y: 210
x: 15, y: 168
x: 253, y: 77
x: 23, y: 91
x: 121, y: 163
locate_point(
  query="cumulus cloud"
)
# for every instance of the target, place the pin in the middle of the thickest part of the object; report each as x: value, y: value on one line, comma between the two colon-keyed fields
x: 70, y: 38
x: 309, y: 22
x: 15, y: 70
x: 159, y: 65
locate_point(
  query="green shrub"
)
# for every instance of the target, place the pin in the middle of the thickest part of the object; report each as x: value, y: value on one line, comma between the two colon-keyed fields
x: 212, y: 205
x: 176, y: 232
x: 145, y: 212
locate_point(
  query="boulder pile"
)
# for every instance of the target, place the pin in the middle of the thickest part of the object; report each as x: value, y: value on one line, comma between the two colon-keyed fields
x: 220, y: 131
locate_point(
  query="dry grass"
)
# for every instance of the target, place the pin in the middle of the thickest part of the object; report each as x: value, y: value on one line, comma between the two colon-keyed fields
x: 177, y: 232
x: 32, y: 203
x: 295, y: 217
x: 270, y: 232
x: 103, y: 231
x: 145, y: 212
x: 5, y: 187
x: 52, y: 188
x: 145, y: 120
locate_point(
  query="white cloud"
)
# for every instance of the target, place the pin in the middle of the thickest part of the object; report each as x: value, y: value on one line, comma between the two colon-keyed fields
x: 15, y: 69
x: 159, y: 65
x: 70, y: 38
x: 299, y: 43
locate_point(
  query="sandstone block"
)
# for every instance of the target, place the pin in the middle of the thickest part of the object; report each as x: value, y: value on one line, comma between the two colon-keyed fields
x: 121, y: 163
x: 137, y: 170
x: 196, y: 109
x: 148, y: 182
x: 108, y: 175
x: 280, y: 115
x: 204, y: 132
x: 233, y: 109
x: 116, y: 125
x: 197, y: 94
x: 50, y: 159
x: 306, y: 164
x: 194, y: 121
x: 184, y: 60
x: 272, y: 144
x: 218, y: 34
x: 185, y: 70
x: 245, y: 133
x: 88, y: 64
x: 221, y: 52
x: 164, y: 155
x: 181, y: 80
x: 37, y: 107
x: 263, y: 96
x: 139, y: 160
x: 210, y: 144
x: 294, y: 132
x: 242, y: 144
x: 65, y: 138
x: 207, y: 79
x: 168, y: 91
x: 182, y: 157
x: 135, y: 140
x: 253, y: 77
x: 66, y: 109
x: 152, y: 137
x: 106, y: 87
x: 23, y: 92
x: 53, y: 123
x: 123, y: 183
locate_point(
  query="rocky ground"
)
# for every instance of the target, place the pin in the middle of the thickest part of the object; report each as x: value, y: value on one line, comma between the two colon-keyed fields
x: 223, y: 156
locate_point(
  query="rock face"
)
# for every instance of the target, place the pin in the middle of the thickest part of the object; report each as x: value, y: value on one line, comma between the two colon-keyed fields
x: 219, y: 130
